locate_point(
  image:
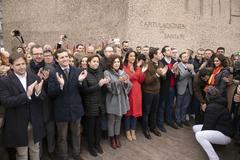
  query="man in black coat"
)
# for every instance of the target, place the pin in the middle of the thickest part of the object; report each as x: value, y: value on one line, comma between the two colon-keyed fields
x: 22, y: 95
x: 64, y: 87
x: 38, y: 67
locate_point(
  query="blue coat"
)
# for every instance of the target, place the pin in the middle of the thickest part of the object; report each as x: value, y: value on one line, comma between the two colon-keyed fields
x: 67, y: 102
x: 20, y: 110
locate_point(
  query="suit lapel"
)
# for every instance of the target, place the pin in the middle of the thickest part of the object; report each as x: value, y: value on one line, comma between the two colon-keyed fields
x: 70, y: 76
x: 16, y: 82
x: 30, y: 78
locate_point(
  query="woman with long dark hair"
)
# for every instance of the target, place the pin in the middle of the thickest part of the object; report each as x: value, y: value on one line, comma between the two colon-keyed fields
x: 220, y: 71
x: 135, y: 95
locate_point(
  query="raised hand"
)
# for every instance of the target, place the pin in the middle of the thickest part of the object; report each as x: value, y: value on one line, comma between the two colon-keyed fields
x: 103, y: 81
x: 190, y: 67
x: 31, y: 88
x: 38, y: 87
x: 175, y: 68
x: 162, y: 71
x: 45, y: 74
x: 82, y: 75
x: 60, y: 79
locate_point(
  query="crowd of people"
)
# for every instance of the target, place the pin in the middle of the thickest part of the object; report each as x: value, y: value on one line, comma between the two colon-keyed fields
x: 51, y: 96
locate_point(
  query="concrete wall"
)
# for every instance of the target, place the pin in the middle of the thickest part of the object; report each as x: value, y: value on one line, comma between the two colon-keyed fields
x: 81, y: 20
x: 179, y: 23
x: 185, y: 23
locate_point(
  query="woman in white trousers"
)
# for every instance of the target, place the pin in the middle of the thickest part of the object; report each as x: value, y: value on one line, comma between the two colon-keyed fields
x: 217, y: 127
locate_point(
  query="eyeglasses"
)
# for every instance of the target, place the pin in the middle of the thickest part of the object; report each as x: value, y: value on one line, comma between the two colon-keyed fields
x: 37, y: 54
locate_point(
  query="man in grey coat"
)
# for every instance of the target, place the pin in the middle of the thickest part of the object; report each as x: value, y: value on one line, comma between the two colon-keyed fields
x: 184, y: 88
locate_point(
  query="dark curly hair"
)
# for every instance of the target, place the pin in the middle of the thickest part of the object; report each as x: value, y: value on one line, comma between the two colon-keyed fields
x: 111, y: 60
x: 222, y: 59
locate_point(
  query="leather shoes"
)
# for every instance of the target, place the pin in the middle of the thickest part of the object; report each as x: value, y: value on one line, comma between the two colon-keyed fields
x: 179, y: 125
x: 163, y: 129
x: 186, y: 123
x: 147, y: 134
x: 99, y: 149
x: 156, y: 132
x: 173, y: 125
x: 113, y: 143
x: 92, y: 152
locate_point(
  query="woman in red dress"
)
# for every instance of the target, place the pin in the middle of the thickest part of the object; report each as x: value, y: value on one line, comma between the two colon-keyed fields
x: 135, y: 95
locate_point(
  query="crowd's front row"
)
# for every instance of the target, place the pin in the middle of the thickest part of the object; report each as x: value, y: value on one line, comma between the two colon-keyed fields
x: 39, y: 96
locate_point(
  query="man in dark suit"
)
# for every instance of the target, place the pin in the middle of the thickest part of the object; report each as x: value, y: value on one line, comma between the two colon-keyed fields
x: 22, y: 95
x: 64, y: 87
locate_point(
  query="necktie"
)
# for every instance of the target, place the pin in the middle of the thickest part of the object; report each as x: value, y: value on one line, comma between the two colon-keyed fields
x: 66, y: 71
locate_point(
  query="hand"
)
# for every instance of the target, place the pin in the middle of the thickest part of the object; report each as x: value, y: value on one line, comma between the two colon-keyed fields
x: 82, y: 75
x: 31, y: 88
x: 60, y: 79
x: 45, y: 74
x: 39, y: 74
x: 190, y: 67
x: 162, y: 71
x: 236, y: 98
x: 103, y: 81
x: 203, y: 107
x: 140, y: 62
x: 203, y: 65
x: 144, y: 68
x: 38, y: 87
x: 175, y: 68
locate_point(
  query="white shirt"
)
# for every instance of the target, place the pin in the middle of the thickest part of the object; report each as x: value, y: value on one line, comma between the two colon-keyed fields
x: 23, y: 80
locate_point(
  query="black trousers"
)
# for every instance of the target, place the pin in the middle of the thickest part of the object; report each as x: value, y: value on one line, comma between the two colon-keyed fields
x: 93, y: 124
x: 150, y: 108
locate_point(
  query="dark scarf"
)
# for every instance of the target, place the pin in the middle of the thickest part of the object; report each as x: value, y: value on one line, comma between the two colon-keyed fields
x: 35, y: 67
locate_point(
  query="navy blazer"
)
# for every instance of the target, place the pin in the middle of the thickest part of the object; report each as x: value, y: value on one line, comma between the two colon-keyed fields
x: 67, y: 102
x: 20, y: 110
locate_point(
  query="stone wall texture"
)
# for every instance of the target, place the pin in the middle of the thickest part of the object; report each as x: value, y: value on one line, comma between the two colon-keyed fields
x: 178, y: 23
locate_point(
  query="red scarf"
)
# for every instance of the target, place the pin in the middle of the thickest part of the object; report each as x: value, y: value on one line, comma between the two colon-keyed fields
x: 211, y: 81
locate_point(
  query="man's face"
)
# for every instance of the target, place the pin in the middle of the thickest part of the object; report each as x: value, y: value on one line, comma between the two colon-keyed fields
x: 138, y: 49
x: 168, y: 52
x: 159, y: 55
x: 37, y: 55
x: 125, y: 46
x: 220, y: 51
x: 108, y: 52
x: 200, y: 55
x: 145, y: 51
x: 63, y: 59
x: 90, y: 50
x: 185, y: 58
x: 175, y: 53
x: 208, y: 54
x: 19, y: 66
x: 80, y: 48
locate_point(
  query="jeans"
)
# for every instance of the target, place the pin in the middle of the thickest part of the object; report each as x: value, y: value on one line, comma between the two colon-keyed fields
x: 206, y: 137
x: 130, y: 123
x: 166, y: 108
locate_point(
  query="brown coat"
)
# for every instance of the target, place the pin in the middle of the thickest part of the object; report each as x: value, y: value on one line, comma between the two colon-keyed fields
x: 198, y: 86
x: 151, y: 83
